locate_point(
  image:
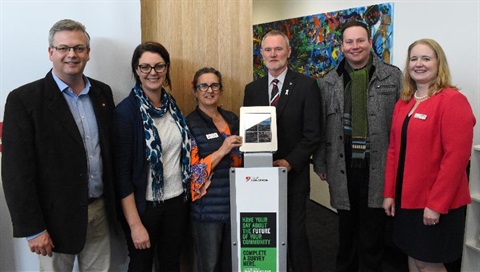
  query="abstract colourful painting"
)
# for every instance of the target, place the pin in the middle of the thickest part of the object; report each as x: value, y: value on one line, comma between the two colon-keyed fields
x: 315, y: 39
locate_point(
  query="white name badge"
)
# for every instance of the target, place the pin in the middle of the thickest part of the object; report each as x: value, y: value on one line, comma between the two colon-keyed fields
x: 212, y: 135
x: 420, y: 116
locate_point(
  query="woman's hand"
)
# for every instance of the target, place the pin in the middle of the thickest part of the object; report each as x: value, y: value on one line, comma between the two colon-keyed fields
x: 203, y: 189
x: 230, y: 143
x: 389, y: 206
x: 140, y: 237
x: 430, y: 217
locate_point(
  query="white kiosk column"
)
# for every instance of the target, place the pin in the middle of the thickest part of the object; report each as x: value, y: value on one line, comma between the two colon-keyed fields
x: 258, y: 197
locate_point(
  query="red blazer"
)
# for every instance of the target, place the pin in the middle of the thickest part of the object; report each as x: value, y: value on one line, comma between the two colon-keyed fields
x: 439, y: 144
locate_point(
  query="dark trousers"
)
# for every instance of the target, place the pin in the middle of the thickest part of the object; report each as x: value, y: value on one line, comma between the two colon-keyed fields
x: 298, y: 251
x: 166, y: 224
x: 213, y: 247
x: 361, y: 229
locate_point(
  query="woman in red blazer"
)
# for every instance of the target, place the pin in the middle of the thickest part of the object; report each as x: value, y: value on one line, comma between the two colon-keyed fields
x: 426, y: 186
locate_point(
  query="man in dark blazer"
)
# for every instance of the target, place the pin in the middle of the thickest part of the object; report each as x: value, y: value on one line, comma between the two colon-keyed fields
x: 56, y: 164
x: 298, y: 110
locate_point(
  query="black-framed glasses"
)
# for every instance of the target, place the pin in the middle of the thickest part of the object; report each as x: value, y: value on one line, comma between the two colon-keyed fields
x: 204, y: 87
x: 65, y: 49
x: 158, y: 68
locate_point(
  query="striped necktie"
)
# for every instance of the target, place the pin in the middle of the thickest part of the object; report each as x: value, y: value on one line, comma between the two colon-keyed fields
x: 275, y: 93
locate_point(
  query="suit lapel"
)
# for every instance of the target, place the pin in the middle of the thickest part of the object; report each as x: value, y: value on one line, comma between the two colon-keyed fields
x: 59, y: 108
x: 287, y: 92
x: 263, y: 93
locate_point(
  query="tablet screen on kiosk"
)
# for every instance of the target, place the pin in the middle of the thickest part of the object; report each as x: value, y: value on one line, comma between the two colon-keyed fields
x: 258, y: 127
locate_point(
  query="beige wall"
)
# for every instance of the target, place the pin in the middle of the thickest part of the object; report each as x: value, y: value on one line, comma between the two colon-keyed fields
x: 202, y: 33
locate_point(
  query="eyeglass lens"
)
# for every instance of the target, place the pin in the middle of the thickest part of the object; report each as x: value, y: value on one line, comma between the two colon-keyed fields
x: 65, y: 49
x: 204, y: 87
x: 159, y: 68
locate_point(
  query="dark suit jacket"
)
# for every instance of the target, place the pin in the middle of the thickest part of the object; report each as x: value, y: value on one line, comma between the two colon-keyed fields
x: 44, y: 164
x: 298, y: 123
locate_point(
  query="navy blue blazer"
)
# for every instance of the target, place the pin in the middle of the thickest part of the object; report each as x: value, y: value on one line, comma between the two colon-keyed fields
x: 130, y: 163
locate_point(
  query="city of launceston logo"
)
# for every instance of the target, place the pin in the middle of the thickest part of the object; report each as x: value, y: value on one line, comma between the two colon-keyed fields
x: 255, y: 179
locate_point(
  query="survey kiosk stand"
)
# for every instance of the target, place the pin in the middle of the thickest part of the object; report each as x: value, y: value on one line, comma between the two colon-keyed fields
x: 258, y: 197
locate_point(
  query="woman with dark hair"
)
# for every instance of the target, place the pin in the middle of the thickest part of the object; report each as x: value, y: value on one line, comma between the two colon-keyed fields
x: 152, y: 164
x: 214, y: 149
x: 426, y: 186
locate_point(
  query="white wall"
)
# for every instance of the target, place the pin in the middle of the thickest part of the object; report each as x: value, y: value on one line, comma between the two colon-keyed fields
x: 114, y: 27
x: 453, y: 24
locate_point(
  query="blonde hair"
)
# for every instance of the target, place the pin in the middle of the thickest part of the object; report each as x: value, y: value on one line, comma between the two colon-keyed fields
x: 443, y: 79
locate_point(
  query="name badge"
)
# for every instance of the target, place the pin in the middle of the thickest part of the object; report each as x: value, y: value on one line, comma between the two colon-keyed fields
x: 212, y: 135
x: 420, y: 116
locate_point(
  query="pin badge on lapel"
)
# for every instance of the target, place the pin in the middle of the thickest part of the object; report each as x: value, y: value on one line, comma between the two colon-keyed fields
x: 286, y: 91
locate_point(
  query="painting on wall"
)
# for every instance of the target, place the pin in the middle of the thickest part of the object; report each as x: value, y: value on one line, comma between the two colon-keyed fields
x: 315, y: 39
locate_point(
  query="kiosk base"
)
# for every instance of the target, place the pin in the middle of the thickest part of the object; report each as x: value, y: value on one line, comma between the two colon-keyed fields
x: 258, y: 205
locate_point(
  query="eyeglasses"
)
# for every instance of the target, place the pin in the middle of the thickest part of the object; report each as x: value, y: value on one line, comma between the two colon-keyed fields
x: 146, y: 69
x: 65, y: 49
x: 204, y: 87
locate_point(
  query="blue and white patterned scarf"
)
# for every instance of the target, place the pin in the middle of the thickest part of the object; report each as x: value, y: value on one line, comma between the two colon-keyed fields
x: 153, y: 141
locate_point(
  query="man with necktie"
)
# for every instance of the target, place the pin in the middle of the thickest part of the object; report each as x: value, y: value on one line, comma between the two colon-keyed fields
x: 297, y: 101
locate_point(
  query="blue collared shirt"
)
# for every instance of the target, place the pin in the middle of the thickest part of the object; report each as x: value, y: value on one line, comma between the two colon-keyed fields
x: 82, y: 110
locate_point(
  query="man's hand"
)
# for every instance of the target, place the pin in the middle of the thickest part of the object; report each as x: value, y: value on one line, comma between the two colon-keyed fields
x: 323, y: 176
x: 42, y: 244
x: 282, y: 163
